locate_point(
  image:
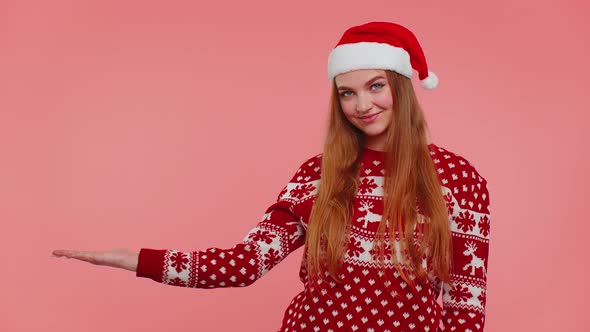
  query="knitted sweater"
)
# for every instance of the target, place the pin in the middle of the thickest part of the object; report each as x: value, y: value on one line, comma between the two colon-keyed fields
x: 362, y: 302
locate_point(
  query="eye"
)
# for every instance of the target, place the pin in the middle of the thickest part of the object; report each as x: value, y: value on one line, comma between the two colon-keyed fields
x: 378, y: 84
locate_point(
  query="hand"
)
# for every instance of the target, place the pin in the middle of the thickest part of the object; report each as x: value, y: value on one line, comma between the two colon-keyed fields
x: 119, y: 258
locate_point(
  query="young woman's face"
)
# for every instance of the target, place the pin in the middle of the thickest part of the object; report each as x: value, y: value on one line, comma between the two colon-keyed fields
x: 366, y: 101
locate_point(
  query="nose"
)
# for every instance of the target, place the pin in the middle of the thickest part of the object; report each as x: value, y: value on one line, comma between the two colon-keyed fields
x: 363, y: 103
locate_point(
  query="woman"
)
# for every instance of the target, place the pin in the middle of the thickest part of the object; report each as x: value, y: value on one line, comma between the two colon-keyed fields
x: 387, y: 219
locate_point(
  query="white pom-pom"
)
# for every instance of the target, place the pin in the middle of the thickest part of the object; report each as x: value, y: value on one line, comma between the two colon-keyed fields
x: 430, y: 82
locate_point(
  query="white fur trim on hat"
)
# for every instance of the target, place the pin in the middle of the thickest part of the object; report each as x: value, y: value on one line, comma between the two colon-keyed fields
x: 429, y: 82
x: 368, y: 55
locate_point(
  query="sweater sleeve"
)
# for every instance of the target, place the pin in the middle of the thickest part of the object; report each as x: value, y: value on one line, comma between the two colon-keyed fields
x: 464, y: 298
x: 279, y: 232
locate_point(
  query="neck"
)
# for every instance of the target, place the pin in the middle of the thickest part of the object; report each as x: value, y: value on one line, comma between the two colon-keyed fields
x: 376, y: 143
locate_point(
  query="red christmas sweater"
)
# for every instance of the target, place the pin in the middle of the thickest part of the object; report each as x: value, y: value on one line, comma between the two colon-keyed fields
x: 362, y: 302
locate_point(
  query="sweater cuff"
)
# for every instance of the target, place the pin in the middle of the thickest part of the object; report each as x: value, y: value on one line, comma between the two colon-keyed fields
x: 150, y: 264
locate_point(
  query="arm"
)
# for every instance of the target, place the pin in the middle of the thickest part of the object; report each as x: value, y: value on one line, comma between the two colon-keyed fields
x: 279, y: 233
x: 464, y: 298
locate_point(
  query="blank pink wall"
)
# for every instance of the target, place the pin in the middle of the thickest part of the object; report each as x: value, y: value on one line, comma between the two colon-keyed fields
x: 174, y: 125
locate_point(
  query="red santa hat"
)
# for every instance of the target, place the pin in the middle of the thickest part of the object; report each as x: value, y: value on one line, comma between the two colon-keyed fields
x: 380, y: 45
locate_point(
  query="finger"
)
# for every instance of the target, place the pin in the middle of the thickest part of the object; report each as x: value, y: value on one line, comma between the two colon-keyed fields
x: 86, y: 256
x: 83, y: 256
x: 66, y: 253
x: 60, y: 253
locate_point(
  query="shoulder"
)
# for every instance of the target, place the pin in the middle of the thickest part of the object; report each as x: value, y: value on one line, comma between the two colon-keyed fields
x: 303, y: 183
x: 309, y: 169
x: 450, y: 162
x: 460, y: 176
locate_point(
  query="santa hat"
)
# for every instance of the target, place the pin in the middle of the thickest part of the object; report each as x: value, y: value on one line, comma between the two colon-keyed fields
x: 380, y: 45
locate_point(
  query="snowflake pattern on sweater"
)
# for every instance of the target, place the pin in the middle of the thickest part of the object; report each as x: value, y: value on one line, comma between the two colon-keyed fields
x: 363, y: 302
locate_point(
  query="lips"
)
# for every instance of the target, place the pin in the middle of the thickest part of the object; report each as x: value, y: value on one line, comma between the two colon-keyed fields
x: 370, y: 118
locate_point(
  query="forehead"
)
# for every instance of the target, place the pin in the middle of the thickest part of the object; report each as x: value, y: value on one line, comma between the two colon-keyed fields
x: 357, y: 77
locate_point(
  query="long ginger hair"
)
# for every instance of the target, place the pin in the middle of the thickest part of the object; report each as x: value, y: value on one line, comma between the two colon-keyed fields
x: 411, y: 186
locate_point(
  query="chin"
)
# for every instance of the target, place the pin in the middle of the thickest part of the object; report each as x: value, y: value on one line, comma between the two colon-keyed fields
x: 373, y: 134
x: 369, y: 131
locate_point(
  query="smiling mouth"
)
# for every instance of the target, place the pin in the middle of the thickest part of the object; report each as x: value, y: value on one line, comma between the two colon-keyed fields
x: 368, y: 116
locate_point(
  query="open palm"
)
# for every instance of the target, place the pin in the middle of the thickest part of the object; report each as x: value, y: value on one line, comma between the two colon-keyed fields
x: 119, y: 258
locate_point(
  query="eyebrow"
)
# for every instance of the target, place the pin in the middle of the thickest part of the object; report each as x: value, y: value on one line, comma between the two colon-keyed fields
x: 368, y: 83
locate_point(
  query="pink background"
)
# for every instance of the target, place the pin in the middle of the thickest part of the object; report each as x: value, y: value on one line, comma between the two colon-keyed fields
x: 174, y: 125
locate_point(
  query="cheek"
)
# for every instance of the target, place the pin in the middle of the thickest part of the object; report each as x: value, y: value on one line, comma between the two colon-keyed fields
x: 384, y: 100
x: 348, y: 108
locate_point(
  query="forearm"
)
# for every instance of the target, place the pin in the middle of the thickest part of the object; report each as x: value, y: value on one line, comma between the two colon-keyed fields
x: 274, y: 237
x: 209, y: 268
